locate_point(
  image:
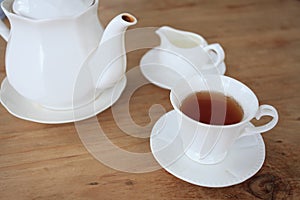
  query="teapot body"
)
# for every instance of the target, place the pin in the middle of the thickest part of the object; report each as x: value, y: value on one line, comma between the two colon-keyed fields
x: 44, y: 57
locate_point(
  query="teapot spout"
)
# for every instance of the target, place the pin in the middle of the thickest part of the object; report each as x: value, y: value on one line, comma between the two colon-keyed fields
x: 117, y: 26
x: 108, y: 62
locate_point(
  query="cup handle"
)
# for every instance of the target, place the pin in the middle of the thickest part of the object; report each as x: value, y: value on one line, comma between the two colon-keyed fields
x: 218, y: 50
x: 264, y: 110
x: 4, y: 31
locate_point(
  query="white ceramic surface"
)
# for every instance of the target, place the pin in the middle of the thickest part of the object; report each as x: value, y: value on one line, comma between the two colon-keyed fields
x: 25, y: 109
x: 48, y: 9
x: 163, y: 73
x: 2, y: 15
x: 209, y: 144
x: 243, y: 160
x: 189, y: 47
x: 44, y: 59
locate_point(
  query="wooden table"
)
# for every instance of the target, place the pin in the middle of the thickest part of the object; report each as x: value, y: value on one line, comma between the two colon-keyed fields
x: 262, y: 44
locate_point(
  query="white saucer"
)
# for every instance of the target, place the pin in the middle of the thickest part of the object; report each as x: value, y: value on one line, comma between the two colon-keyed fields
x: 243, y: 160
x: 25, y: 109
x: 160, y: 73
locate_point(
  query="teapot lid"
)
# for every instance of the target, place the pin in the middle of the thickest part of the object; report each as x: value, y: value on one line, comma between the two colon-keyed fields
x: 45, y: 9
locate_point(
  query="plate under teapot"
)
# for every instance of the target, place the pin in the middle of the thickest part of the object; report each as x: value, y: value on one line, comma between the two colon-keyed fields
x: 25, y: 109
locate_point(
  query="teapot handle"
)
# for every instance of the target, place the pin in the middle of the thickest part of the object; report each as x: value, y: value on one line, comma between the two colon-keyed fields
x: 4, y: 31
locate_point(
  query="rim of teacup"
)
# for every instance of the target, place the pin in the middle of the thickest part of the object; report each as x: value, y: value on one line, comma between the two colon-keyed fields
x: 7, y: 5
x: 246, y: 119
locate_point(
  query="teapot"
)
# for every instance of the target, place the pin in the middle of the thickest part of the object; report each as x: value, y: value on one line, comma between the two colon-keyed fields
x: 47, y: 60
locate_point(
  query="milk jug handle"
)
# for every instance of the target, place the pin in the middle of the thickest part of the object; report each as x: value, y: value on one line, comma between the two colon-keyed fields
x: 4, y: 31
x: 218, y: 50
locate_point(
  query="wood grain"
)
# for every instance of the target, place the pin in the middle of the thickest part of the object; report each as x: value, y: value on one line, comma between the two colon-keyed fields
x: 261, y: 39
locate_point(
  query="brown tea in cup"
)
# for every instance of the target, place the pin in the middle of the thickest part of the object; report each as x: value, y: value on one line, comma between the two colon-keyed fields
x: 212, y: 108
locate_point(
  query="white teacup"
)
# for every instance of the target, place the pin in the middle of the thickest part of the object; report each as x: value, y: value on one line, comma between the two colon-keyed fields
x: 209, y: 144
